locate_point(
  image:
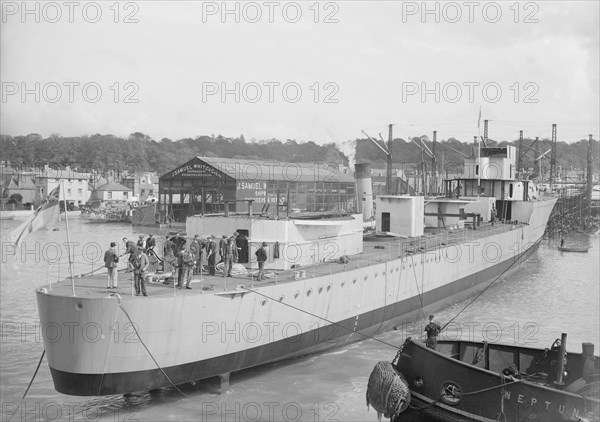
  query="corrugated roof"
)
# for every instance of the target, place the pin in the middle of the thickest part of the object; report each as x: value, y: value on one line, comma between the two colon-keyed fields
x: 113, y: 186
x: 244, y: 169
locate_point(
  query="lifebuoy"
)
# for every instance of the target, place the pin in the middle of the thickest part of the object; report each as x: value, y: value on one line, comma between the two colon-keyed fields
x: 135, y: 204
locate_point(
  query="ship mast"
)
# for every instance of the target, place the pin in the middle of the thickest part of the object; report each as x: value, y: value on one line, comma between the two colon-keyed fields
x: 68, y: 237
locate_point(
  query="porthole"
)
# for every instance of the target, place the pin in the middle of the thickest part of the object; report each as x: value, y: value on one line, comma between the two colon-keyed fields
x: 451, y: 393
x: 281, y: 298
x: 308, y: 292
x: 329, y: 287
x: 79, y: 306
x: 296, y: 294
x: 320, y: 289
x: 263, y: 302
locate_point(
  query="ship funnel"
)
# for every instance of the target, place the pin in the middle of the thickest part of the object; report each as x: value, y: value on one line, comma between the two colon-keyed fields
x: 364, y: 190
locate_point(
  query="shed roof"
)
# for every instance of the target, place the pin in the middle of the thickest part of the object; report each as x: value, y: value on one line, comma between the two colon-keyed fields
x: 254, y: 170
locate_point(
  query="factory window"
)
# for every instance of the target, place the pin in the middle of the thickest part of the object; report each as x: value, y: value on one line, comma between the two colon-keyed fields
x: 109, y: 195
x: 79, y: 192
x: 69, y: 191
x: 125, y: 195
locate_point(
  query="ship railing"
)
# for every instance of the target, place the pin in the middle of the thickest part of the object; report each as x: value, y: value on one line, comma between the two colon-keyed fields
x: 58, y: 269
x: 439, y: 241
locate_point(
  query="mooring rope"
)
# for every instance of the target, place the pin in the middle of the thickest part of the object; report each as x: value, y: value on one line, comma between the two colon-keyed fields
x: 148, y: 350
x: 29, y: 386
x: 484, y: 290
x: 320, y: 317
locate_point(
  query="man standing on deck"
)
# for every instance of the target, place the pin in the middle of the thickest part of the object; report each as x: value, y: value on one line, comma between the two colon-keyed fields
x: 223, y: 248
x: 261, y: 257
x: 211, y: 255
x: 195, y: 250
x: 130, y: 249
x: 110, y: 262
x: 188, y: 267
x: 150, y: 244
x: 140, y: 264
x: 432, y: 329
x: 231, y: 256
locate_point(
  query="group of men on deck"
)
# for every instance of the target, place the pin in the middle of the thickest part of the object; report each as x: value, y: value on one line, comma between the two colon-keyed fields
x: 187, y: 261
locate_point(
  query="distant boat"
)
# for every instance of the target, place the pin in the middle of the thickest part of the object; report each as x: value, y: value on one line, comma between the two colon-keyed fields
x: 464, y: 380
x: 580, y: 249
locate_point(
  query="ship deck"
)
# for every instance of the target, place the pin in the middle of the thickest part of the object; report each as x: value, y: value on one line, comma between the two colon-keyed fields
x: 375, y: 249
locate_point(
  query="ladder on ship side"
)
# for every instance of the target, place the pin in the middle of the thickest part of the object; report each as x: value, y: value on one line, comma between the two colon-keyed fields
x: 504, y: 210
x: 52, y: 273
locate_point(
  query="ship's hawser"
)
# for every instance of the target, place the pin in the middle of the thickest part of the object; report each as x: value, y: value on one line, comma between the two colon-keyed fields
x: 440, y: 250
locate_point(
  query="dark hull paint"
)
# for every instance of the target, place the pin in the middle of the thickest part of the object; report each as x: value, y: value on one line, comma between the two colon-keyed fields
x: 484, y: 396
x: 327, y: 337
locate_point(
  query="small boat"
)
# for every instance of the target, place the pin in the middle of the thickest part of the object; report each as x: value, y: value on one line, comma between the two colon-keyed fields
x: 580, y: 250
x: 465, y: 380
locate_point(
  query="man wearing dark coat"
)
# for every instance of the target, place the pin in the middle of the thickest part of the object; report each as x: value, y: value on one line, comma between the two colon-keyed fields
x: 211, y: 254
x: 131, y: 249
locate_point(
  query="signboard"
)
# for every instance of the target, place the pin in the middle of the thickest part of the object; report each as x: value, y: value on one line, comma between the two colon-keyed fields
x: 197, y: 170
x: 257, y: 191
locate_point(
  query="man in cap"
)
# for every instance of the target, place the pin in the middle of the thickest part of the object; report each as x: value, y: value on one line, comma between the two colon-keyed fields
x: 195, y: 250
x: 150, y: 244
x: 130, y: 249
x: 188, y: 267
x: 432, y: 329
x: 223, y: 248
x: 211, y: 255
x: 111, y: 260
x: 261, y: 257
x: 231, y: 256
x: 140, y: 241
x: 140, y: 264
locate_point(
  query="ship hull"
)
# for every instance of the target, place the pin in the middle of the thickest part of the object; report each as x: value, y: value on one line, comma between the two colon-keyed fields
x: 326, y: 337
x: 484, y: 394
x: 101, y: 344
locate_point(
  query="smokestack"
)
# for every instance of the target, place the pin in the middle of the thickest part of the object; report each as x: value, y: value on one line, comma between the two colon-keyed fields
x: 364, y: 190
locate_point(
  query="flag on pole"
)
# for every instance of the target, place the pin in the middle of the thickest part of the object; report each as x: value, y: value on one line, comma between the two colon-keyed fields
x: 47, y: 213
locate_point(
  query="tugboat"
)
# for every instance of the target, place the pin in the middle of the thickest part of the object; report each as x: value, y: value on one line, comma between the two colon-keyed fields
x: 464, y: 380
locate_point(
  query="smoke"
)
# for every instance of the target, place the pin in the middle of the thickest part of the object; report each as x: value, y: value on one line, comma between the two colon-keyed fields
x: 348, y: 148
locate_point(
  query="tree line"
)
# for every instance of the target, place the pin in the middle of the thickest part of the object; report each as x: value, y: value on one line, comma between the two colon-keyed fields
x: 139, y: 152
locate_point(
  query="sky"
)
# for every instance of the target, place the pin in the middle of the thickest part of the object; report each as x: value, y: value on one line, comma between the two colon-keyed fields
x: 308, y: 71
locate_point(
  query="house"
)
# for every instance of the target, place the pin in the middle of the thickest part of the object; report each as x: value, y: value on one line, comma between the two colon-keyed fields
x: 74, y: 185
x: 143, y: 185
x: 111, y: 191
x: 23, y: 186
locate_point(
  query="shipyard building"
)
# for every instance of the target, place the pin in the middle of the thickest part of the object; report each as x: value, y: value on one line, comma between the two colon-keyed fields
x: 208, y: 185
